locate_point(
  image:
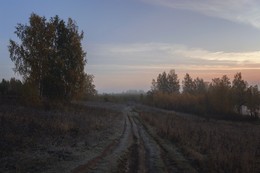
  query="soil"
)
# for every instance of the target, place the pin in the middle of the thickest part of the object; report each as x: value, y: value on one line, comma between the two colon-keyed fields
x: 137, y: 149
x: 128, y: 146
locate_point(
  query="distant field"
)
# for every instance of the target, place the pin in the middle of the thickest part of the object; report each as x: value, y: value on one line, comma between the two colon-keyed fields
x: 212, y: 146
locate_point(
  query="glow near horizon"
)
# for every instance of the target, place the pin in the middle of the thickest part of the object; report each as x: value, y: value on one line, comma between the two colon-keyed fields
x: 150, y: 59
x: 129, y: 43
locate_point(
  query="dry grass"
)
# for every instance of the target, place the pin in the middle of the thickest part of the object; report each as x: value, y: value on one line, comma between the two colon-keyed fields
x: 212, y: 146
x: 26, y: 131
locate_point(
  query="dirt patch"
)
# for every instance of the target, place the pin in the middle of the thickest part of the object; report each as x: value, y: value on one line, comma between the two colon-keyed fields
x: 138, y: 150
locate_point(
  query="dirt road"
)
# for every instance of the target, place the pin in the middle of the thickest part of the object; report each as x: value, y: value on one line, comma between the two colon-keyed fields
x: 137, y: 149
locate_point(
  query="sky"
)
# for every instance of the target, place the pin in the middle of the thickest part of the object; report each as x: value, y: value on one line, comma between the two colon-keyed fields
x: 129, y: 42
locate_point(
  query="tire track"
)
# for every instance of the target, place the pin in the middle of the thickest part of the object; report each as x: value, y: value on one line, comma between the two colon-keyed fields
x: 170, y: 155
x: 148, y: 156
x: 153, y: 154
x: 107, y: 160
x: 154, y: 162
x: 135, y: 151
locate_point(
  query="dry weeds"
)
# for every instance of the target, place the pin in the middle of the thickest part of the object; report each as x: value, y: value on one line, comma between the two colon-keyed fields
x: 34, y: 140
x: 212, y: 146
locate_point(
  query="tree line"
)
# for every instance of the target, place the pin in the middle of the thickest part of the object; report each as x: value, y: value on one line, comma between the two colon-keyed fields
x: 50, y: 58
x: 220, y: 97
x: 9, y: 88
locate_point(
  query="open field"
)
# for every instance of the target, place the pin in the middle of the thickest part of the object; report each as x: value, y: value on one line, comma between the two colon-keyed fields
x: 107, y: 137
x: 212, y: 145
x: 34, y: 140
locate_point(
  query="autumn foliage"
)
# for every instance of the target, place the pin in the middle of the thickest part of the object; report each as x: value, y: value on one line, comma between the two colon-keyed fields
x: 50, y: 58
x: 221, y: 97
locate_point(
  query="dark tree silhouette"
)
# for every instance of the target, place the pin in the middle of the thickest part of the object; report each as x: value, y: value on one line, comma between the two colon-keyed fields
x: 50, y: 57
x: 253, y: 100
x: 188, y: 86
x: 219, y: 95
x: 239, y: 87
x: 166, y: 83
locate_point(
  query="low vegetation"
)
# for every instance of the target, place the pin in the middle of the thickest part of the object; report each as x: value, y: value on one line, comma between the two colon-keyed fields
x: 220, y: 99
x: 125, y: 97
x: 34, y: 139
x: 212, y: 146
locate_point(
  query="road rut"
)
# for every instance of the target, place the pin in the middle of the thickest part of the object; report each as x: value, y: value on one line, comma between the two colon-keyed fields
x: 136, y: 150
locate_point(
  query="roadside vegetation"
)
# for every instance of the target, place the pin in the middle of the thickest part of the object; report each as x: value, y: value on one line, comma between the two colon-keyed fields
x: 221, y: 98
x: 34, y: 140
x: 131, y: 96
x: 212, y: 146
x: 224, y: 137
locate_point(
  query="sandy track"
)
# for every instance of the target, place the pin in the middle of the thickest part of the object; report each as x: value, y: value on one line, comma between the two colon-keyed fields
x: 136, y: 150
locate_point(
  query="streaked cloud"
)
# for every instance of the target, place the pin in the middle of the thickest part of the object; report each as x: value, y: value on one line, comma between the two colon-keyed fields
x: 243, y: 11
x: 153, y: 55
x: 135, y: 65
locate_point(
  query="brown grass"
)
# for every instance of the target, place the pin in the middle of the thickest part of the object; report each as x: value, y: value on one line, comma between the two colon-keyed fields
x: 26, y: 130
x: 212, y: 146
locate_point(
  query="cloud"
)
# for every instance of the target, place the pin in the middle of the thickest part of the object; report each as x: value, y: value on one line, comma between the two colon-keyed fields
x: 128, y: 66
x: 155, y: 55
x: 242, y: 11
